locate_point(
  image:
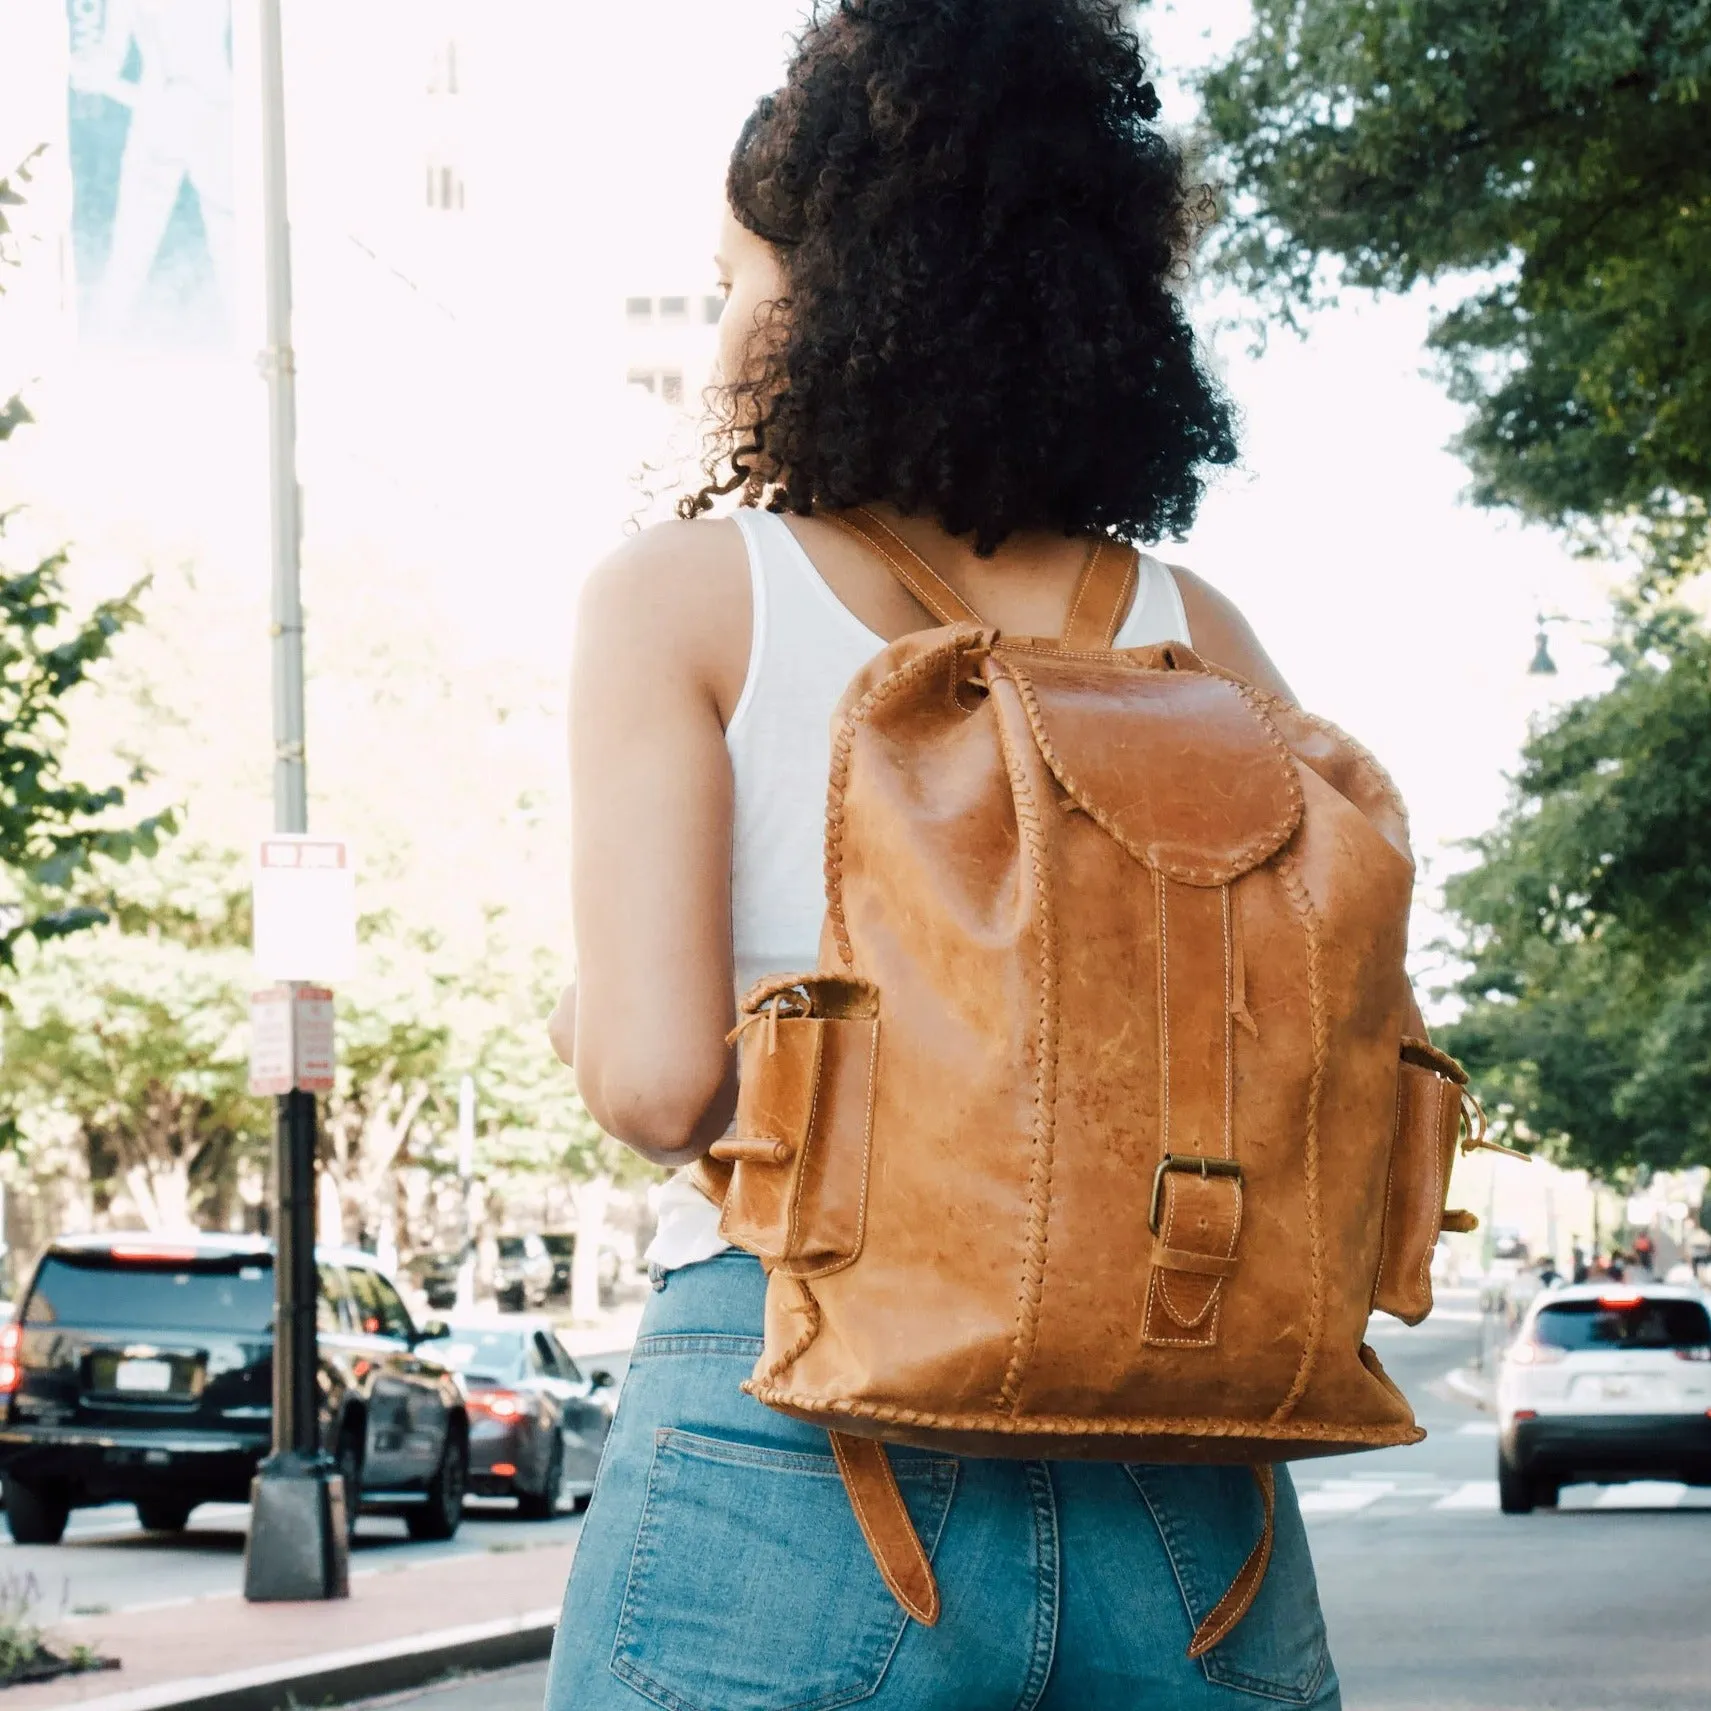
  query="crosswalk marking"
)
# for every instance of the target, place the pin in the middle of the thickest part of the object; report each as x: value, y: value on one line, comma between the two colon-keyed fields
x: 1642, y: 1494
x: 1373, y: 1500
x: 1471, y: 1494
x: 1344, y: 1496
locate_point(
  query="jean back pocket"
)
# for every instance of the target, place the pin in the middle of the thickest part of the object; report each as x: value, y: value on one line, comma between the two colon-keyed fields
x: 1208, y: 1518
x: 751, y: 1588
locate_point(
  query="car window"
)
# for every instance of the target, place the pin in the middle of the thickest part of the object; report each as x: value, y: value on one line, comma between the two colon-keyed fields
x: 381, y: 1310
x: 510, y: 1247
x: 153, y: 1289
x: 1612, y: 1322
x: 547, y: 1356
x: 480, y: 1353
x: 566, y: 1365
x: 332, y: 1300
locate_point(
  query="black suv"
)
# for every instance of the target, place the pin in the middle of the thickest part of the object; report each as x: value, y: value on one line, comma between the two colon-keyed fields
x: 140, y: 1370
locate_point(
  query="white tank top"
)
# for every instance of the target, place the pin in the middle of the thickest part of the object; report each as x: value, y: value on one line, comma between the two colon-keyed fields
x: 805, y: 647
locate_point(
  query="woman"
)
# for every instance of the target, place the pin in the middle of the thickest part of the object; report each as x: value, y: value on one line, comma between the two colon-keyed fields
x: 949, y: 256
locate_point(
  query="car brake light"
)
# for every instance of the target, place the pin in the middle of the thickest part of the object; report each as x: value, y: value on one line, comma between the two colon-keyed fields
x: 501, y: 1404
x: 505, y: 1469
x: 1620, y: 1300
x: 1700, y: 1353
x: 11, y: 1374
x: 1525, y: 1414
x: 145, y: 1254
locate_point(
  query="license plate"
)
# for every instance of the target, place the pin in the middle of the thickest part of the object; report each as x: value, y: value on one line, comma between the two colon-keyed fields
x: 155, y: 1375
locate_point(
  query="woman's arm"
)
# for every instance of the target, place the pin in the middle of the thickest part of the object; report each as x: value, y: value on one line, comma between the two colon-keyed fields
x: 662, y: 633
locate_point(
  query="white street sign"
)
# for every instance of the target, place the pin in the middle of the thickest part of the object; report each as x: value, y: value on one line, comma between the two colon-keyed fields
x: 291, y: 1040
x: 305, y: 908
x: 271, y: 1062
x: 314, y: 1035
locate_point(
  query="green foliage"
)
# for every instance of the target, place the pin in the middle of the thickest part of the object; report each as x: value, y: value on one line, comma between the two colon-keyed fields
x: 131, y: 1042
x: 1587, y: 919
x: 1555, y: 154
x: 53, y: 830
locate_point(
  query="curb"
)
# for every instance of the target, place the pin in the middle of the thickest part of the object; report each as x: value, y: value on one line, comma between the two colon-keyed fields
x: 360, y: 1672
x: 1465, y: 1384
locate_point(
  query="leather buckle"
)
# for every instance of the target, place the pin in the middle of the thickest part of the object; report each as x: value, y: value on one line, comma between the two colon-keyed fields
x: 1191, y: 1164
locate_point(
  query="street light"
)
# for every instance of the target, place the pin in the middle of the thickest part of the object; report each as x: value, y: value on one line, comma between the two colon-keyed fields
x: 1543, y: 665
x: 298, y: 1545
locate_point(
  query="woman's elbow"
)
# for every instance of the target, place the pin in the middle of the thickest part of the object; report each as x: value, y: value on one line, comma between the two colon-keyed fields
x: 669, y: 1118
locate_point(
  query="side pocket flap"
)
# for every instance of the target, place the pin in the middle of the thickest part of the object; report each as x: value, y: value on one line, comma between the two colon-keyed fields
x: 1428, y: 1119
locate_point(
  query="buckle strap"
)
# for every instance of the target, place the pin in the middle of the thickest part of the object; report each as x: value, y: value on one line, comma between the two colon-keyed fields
x: 884, y: 1519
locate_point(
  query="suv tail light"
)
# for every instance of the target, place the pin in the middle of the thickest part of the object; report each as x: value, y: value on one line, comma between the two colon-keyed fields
x: 1535, y: 1354
x: 1700, y: 1353
x: 500, y: 1404
x: 10, y: 1373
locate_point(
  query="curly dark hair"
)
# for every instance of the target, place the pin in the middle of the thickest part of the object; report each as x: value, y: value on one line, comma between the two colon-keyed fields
x: 982, y: 233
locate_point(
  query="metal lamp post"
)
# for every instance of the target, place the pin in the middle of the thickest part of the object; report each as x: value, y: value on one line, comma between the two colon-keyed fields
x: 298, y: 1544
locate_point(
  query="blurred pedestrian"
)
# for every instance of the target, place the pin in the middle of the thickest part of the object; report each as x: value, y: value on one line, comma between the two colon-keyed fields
x: 1645, y: 1252
x: 951, y: 262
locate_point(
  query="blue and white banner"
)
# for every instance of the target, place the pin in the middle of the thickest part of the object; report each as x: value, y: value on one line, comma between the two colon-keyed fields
x: 151, y: 165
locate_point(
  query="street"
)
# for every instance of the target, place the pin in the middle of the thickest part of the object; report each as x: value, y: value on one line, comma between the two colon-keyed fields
x: 1435, y: 1600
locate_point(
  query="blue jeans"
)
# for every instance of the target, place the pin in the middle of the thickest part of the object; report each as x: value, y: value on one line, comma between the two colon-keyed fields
x: 721, y: 1568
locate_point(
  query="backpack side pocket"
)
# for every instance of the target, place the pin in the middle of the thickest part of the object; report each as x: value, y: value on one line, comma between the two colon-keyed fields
x: 799, y: 1152
x: 1428, y: 1122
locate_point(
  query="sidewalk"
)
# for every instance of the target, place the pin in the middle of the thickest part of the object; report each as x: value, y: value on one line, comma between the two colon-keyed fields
x: 399, y: 1627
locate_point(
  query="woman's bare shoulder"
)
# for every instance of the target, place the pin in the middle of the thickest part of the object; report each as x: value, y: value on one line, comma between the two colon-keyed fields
x: 674, y: 596
x: 1223, y: 635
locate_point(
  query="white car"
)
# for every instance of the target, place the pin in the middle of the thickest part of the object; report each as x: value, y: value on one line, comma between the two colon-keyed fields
x: 1605, y: 1382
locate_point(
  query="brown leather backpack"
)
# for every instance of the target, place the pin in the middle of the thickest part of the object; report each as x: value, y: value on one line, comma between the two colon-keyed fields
x: 1096, y: 1133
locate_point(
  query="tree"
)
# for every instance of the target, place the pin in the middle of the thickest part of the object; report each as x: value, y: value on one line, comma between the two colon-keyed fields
x: 132, y: 1039
x: 1554, y: 155
x: 1587, y: 917
x: 53, y: 829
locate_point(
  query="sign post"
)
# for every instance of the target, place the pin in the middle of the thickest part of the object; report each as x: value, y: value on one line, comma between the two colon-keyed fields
x: 299, y: 1545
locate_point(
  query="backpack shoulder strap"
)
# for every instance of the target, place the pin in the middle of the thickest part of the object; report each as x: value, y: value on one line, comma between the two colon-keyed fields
x: 907, y: 566
x: 1102, y: 596
x: 1096, y: 610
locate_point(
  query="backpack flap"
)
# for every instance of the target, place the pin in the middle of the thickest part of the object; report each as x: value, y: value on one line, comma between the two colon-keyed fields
x: 1178, y: 764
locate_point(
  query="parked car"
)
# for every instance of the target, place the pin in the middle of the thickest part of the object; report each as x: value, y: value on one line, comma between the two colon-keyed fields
x: 561, y: 1244
x: 538, y: 1423
x: 141, y: 1371
x: 435, y: 1274
x: 524, y: 1275
x: 1605, y: 1382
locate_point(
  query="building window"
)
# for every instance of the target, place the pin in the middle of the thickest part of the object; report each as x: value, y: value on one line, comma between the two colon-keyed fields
x: 445, y: 187
x: 674, y: 308
x: 639, y: 308
x: 442, y: 70
x: 665, y: 384
x: 712, y: 310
